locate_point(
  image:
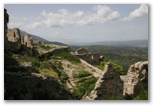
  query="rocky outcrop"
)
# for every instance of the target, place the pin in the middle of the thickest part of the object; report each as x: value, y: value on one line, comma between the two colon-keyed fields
x: 6, y: 20
x: 14, y: 39
x: 22, y: 86
x: 109, y: 86
x: 136, y: 79
x: 27, y: 40
x: 14, y: 35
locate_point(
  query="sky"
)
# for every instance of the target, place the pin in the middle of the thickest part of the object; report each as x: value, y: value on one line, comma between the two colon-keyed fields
x: 81, y: 23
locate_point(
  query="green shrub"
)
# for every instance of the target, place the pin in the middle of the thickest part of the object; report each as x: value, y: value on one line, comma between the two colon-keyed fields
x: 84, y: 87
x: 67, y: 56
x: 49, y: 73
x: 45, y: 65
x: 63, y: 76
x: 81, y: 74
x: 47, y: 48
x: 102, y: 65
x: 143, y: 95
x: 25, y: 58
x: 119, y: 68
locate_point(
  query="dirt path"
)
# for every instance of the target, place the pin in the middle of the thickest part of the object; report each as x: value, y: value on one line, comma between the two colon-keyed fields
x: 96, y: 72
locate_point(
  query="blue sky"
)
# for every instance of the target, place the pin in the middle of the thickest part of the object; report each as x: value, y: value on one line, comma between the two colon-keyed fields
x: 81, y: 23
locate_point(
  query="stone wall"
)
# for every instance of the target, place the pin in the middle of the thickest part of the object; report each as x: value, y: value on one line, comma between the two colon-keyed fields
x: 93, y: 59
x: 109, y: 86
x: 81, y: 51
x: 14, y: 40
x: 136, y: 79
x: 27, y: 40
x: 51, y: 52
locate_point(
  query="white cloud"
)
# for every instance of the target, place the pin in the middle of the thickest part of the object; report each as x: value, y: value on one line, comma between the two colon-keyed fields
x: 15, y: 24
x: 33, y: 25
x: 141, y: 11
x: 63, y: 18
x: 36, y: 25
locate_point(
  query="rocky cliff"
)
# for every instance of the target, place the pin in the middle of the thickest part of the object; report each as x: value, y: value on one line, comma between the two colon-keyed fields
x: 6, y: 20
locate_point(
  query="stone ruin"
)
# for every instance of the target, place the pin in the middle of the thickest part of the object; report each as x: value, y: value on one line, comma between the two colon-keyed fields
x: 12, y: 38
x: 27, y: 40
x: 136, y: 79
x: 92, y: 58
x: 109, y: 86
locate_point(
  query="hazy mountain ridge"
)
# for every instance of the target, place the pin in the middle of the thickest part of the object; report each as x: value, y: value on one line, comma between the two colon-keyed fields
x: 35, y: 37
x: 129, y: 43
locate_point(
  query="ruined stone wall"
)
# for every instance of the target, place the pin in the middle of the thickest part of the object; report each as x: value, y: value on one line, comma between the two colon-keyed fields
x: 14, y: 40
x: 50, y: 53
x: 27, y: 40
x: 81, y: 51
x: 93, y: 59
x: 136, y: 79
x: 109, y: 86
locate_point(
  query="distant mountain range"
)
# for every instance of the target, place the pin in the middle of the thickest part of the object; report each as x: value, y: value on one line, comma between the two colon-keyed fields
x: 129, y: 43
x: 35, y: 37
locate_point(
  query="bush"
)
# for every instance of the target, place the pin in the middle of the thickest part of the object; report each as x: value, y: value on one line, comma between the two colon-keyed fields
x: 102, y: 65
x: 143, y: 95
x: 47, y: 48
x: 84, y: 87
x: 67, y: 56
x: 119, y: 68
x: 81, y: 74
x: 63, y: 76
x: 49, y: 73
x: 45, y: 65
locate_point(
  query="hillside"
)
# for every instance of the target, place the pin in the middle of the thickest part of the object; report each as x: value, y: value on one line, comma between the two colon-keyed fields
x: 41, y: 71
x: 124, y: 56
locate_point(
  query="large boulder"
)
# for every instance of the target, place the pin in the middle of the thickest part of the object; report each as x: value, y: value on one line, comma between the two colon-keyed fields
x: 109, y: 86
x: 136, y: 79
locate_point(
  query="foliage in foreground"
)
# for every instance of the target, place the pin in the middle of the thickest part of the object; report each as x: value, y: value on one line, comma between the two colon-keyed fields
x: 84, y: 85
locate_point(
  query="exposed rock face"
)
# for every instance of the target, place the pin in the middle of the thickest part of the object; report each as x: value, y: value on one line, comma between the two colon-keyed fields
x: 14, y: 39
x: 22, y: 86
x: 109, y: 86
x: 27, y: 40
x: 14, y: 35
x: 136, y: 79
x: 6, y: 20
